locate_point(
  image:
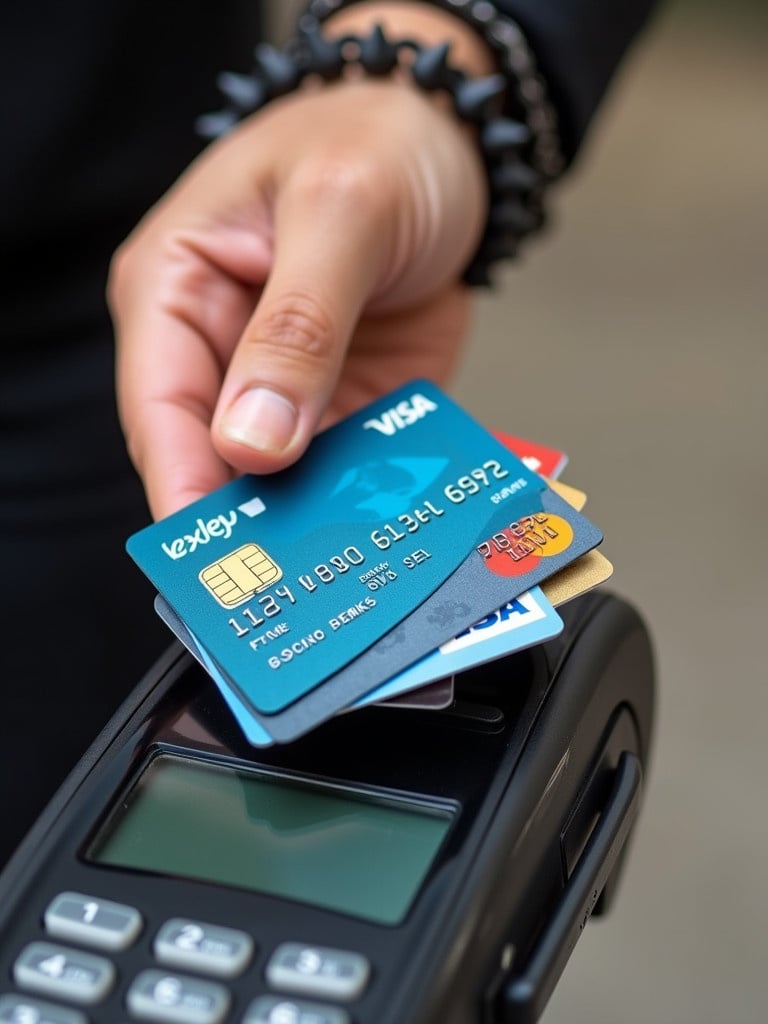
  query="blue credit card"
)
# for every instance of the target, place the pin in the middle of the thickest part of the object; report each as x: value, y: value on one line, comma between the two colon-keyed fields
x: 433, y: 697
x: 285, y: 579
x: 522, y: 622
x: 514, y: 557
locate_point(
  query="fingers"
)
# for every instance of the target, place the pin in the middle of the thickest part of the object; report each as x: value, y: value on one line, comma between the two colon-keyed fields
x: 179, y: 304
x: 166, y: 420
x: 331, y: 236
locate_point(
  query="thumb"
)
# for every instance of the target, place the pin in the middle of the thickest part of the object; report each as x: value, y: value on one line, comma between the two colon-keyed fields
x: 328, y: 253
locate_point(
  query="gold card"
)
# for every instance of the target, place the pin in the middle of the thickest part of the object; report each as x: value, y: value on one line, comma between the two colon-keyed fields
x: 586, y: 572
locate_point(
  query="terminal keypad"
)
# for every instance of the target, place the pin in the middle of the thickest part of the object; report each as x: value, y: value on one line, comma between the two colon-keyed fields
x: 305, y: 983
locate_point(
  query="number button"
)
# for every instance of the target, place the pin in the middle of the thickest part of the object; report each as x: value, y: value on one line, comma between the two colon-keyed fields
x: 315, y: 971
x: 172, y: 999
x: 275, y: 1010
x: 18, y: 1010
x: 94, y: 922
x: 66, y: 973
x: 210, y: 949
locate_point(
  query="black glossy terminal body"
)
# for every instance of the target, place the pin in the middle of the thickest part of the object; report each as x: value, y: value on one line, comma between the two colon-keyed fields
x: 540, y: 758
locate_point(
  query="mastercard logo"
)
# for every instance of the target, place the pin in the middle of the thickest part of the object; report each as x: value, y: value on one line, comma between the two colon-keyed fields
x: 518, y: 549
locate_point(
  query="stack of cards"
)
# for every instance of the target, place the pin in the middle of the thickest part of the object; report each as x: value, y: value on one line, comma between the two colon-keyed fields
x: 407, y: 545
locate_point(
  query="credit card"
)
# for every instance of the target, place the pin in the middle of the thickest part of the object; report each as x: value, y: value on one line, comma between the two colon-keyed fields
x: 576, y: 499
x: 285, y: 579
x: 576, y: 579
x: 548, y: 463
x: 522, y: 622
x: 434, y: 696
x: 253, y: 731
x: 515, y: 557
x: 526, y: 620
x: 545, y: 461
x: 511, y: 628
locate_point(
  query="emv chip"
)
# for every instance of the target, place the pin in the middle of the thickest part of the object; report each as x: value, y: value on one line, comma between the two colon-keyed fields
x: 240, y: 575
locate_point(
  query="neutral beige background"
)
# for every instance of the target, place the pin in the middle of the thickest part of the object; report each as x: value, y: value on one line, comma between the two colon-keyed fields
x: 636, y: 337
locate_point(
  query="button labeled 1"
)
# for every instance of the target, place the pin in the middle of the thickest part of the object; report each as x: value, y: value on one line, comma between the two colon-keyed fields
x: 93, y: 922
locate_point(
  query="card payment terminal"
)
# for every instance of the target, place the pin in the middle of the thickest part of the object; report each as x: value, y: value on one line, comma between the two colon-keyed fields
x: 391, y: 867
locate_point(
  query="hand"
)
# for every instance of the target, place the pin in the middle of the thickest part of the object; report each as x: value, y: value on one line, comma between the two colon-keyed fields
x: 306, y: 263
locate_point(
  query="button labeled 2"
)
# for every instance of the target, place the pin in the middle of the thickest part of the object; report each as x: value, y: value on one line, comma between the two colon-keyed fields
x: 208, y: 948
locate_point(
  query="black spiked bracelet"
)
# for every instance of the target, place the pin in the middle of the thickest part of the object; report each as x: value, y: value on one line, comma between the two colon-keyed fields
x: 528, y: 97
x: 516, y: 185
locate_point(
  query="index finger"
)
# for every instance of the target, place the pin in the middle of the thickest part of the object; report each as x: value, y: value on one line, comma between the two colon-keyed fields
x: 178, y: 315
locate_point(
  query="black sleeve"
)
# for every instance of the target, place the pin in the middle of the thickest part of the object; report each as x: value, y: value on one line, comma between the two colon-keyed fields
x: 578, y: 45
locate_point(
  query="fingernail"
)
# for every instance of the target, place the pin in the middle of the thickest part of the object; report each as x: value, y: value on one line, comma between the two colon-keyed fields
x: 261, y: 419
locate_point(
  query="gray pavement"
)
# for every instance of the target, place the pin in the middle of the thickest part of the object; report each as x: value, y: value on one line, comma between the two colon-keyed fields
x: 636, y: 337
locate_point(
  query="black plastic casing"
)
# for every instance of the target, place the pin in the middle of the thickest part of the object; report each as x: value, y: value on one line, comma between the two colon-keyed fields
x: 530, y: 755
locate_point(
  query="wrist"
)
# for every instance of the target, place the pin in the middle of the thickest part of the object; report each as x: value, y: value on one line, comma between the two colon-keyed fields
x: 508, y: 145
x: 519, y: 177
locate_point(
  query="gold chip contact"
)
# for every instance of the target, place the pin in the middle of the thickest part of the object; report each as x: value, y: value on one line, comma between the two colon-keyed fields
x: 239, y: 575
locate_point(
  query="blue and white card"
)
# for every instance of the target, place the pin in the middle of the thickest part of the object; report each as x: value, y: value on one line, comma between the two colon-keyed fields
x: 522, y: 622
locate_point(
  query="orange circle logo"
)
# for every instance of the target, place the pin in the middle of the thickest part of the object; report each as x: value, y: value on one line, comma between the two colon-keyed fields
x: 516, y: 550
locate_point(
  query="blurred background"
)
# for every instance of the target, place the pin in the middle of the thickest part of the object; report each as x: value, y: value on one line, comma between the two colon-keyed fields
x: 635, y: 336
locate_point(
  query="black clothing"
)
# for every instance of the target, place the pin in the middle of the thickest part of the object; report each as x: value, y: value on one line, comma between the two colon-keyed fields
x: 578, y: 45
x: 99, y: 101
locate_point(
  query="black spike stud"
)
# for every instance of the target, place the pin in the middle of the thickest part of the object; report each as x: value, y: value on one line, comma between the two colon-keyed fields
x: 211, y: 126
x: 246, y: 91
x: 324, y: 55
x: 430, y: 70
x: 502, y: 134
x: 497, y: 247
x: 515, y: 176
x: 278, y: 71
x: 377, y: 55
x: 474, y: 96
x: 510, y: 215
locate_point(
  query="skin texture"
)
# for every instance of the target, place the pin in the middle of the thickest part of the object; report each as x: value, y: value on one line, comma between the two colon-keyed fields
x: 303, y: 265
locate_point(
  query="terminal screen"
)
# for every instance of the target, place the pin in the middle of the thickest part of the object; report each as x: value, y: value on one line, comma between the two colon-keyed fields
x: 348, y: 851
